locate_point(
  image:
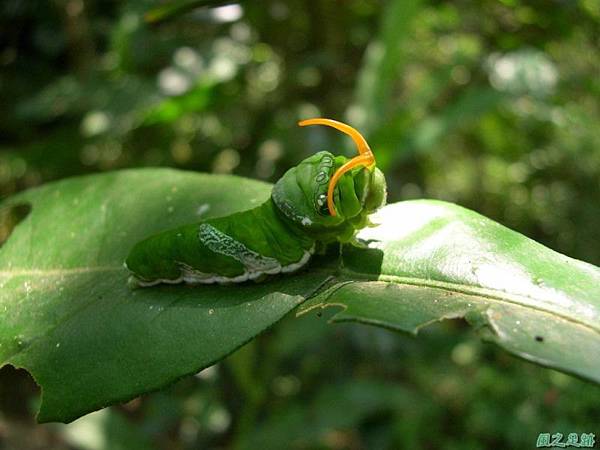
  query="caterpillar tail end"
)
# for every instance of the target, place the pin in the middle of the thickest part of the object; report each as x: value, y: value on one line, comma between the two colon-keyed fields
x: 133, y: 282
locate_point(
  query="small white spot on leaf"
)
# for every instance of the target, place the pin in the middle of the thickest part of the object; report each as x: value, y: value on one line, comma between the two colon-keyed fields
x: 202, y: 209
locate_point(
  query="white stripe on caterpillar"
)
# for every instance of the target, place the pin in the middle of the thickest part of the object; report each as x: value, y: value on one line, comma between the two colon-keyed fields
x: 192, y: 276
x: 219, y: 242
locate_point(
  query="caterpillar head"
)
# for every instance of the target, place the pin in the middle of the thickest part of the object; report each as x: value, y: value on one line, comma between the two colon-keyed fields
x: 331, y: 196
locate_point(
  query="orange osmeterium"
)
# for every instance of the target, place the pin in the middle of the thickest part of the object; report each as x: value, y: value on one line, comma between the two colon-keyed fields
x: 365, y: 155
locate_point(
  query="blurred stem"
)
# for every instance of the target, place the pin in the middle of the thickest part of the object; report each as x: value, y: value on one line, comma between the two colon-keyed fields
x: 81, y: 44
x: 253, y: 391
x: 383, y: 60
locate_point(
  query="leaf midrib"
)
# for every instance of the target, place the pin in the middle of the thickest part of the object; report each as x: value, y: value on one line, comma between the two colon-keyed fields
x: 58, y: 272
x: 476, y: 291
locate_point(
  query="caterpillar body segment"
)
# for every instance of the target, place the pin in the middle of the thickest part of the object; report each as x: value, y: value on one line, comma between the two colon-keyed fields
x: 236, y: 248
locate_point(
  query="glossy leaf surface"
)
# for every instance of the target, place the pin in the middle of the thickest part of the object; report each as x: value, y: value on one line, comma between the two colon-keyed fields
x: 89, y: 340
x: 68, y: 315
x: 429, y: 261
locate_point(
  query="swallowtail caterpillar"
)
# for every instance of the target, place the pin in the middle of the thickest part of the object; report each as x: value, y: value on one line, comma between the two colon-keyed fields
x: 323, y: 199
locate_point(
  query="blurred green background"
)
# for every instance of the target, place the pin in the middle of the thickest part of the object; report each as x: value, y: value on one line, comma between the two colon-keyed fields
x: 492, y: 104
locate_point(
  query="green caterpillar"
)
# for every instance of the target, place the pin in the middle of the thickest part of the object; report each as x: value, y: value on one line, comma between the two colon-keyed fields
x: 324, y: 199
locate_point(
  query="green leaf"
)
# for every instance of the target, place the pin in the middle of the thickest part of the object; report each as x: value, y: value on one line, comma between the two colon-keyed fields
x: 69, y: 317
x: 89, y: 340
x: 428, y: 261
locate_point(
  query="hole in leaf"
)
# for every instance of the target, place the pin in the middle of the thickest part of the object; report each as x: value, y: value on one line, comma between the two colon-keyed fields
x: 10, y: 217
x: 18, y: 391
x: 539, y: 338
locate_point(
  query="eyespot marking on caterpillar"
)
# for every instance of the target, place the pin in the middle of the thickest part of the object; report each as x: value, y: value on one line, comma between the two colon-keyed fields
x: 365, y: 155
x: 325, y: 167
x: 321, y: 176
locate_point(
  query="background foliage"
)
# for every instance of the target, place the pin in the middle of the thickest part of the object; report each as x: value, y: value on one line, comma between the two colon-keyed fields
x: 492, y: 105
